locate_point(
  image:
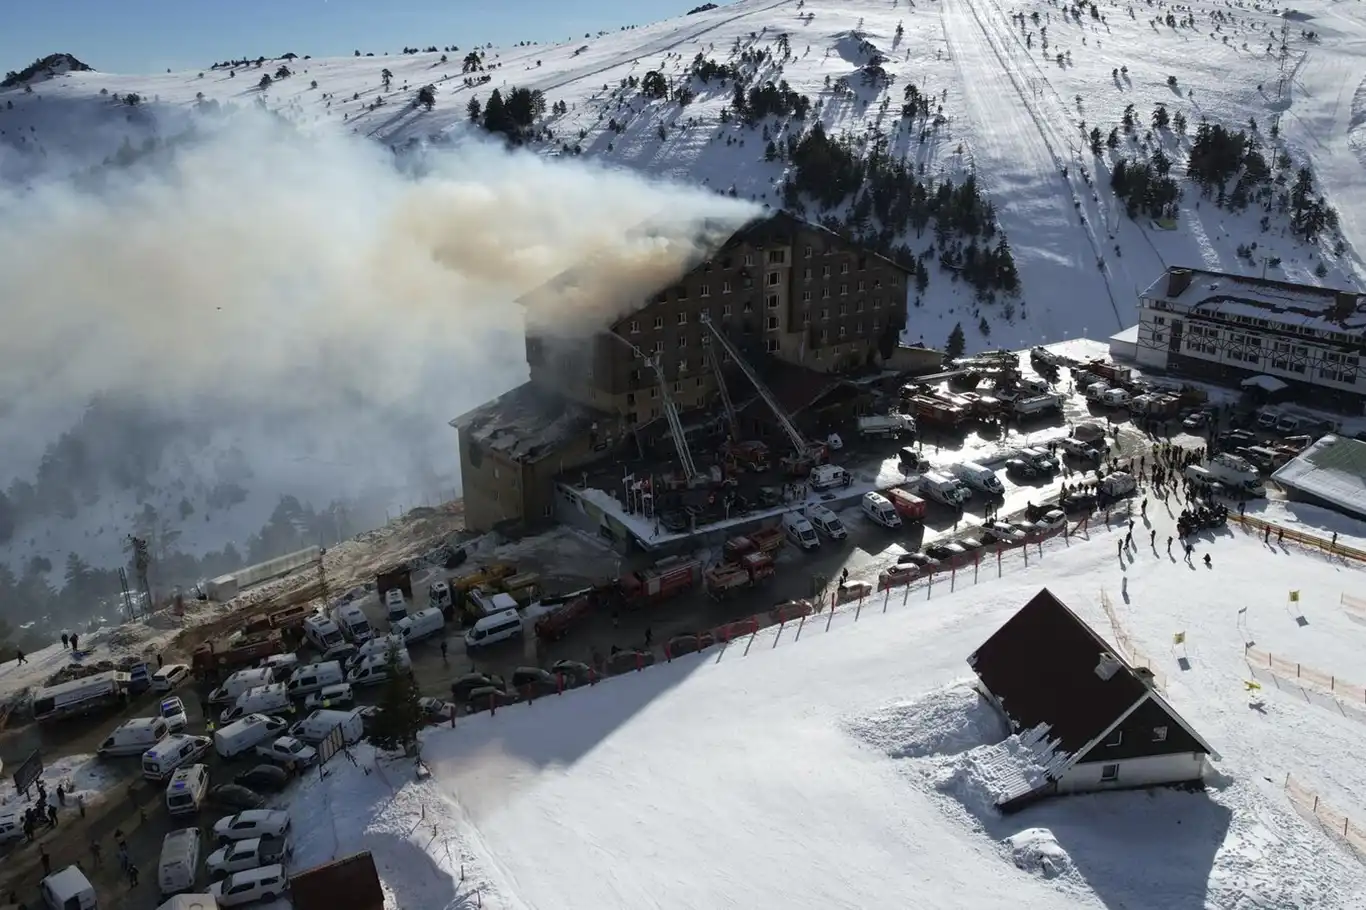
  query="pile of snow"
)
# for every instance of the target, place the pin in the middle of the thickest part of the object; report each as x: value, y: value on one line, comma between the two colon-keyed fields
x: 83, y: 777
x: 948, y: 721
x: 986, y: 776
x: 1037, y: 850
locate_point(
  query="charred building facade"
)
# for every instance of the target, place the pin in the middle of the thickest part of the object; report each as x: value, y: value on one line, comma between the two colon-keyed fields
x: 780, y: 289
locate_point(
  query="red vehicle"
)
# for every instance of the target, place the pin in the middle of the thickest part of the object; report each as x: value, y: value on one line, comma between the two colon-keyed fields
x: 553, y: 626
x: 751, y: 455
x: 246, y: 653
x: 730, y: 578
x: 936, y: 411
x: 769, y: 540
x: 909, y: 506
x: 666, y: 579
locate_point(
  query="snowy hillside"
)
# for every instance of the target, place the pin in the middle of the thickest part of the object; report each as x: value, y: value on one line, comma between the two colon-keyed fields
x: 847, y: 763
x: 1014, y: 86
x: 1038, y: 104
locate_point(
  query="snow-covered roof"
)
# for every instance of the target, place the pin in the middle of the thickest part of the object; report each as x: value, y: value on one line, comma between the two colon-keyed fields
x: 1128, y: 336
x: 1332, y: 469
x: 1264, y: 382
x: 1280, y: 302
x: 525, y: 424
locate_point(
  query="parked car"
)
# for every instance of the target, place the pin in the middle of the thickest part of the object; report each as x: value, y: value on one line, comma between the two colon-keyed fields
x: 484, y: 697
x: 540, y: 682
x: 249, y: 853
x: 263, y: 779
x: 1024, y: 470
x: 971, y: 544
x: 337, y: 696
x: 1079, y: 448
x: 923, y: 561
x: 435, y: 711
x: 235, y: 796
x: 894, y: 576
x: 1196, y: 421
x: 628, y: 660
x: 575, y: 673
x: 265, y: 883
x: 288, y: 751
x: 1052, y: 520
x: 464, y: 685
x: 254, y: 823
x: 946, y: 552
x: 173, y: 712
x: 1002, y: 532
x: 168, y: 677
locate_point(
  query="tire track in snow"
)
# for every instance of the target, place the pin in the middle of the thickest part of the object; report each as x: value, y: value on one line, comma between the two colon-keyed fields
x: 1006, y: 127
x: 1005, y: 57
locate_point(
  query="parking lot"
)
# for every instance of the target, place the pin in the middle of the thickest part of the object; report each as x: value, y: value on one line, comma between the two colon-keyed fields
x: 565, y: 561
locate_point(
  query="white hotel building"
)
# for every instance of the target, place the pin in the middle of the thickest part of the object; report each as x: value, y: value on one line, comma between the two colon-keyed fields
x: 1230, y: 328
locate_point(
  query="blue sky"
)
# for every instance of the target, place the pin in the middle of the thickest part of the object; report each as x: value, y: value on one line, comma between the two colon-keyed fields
x: 135, y: 36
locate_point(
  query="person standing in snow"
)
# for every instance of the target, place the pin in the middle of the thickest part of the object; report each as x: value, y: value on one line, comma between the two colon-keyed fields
x: 19, y: 657
x: 66, y: 639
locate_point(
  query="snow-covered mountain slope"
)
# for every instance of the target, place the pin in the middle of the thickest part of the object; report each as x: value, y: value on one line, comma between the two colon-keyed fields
x: 1014, y: 85
x: 951, y: 89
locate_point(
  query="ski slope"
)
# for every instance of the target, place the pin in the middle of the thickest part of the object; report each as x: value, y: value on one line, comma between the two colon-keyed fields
x: 1013, y: 115
x: 846, y: 767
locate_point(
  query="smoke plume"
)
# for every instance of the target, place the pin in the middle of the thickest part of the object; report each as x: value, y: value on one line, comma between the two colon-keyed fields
x: 306, y: 299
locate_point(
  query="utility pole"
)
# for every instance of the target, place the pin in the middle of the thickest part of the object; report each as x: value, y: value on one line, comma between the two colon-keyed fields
x: 322, y: 576
x: 142, y: 562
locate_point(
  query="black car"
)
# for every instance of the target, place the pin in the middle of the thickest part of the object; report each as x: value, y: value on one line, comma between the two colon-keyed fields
x: 575, y: 673
x: 463, y: 686
x: 1018, y: 467
x: 263, y: 779
x: 921, y: 561
x: 536, y: 680
x: 236, y: 796
x: 945, y: 552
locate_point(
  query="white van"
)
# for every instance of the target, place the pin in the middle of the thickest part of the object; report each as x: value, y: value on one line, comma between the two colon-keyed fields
x: 395, y: 607
x: 313, y: 677
x: 11, y: 827
x: 799, y: 531
x: 439, y: 595
x: 317, y: 726
x: 179, y: 863
x: 271, y: 699
x: 827, y: 476
x: 979, y: 478
x: 187, y: 789
x: 494, y: 628
x: 68, y: 890
x: 280, y: 666
x: 880, y: 509
x: 353, y: 623
x: 246, y: 734
x: 375, y: 668
x: 161, y: 761
x: 374, y: 646
x: 422, y: 624
x: 826, y: 522
x: 322, y: 632
x: 134, y: 737
x: 263, y: 883
x: 240, y: 682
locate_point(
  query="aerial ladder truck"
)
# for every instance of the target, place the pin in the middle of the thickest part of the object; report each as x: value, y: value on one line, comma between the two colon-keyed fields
x: 806, y: 455
x: 693, y: 477
x: 751, y: 454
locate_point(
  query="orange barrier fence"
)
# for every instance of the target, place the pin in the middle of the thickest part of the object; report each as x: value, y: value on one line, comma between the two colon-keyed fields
x: 1131, y: 652
x: 1331, y: 820
x: 1312, y: 541
x: 1305, y: 675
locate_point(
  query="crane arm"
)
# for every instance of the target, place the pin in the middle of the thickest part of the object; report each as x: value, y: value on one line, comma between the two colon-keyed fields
x: 731, y: 418
x: 671, y: 417
x: 799, y: 442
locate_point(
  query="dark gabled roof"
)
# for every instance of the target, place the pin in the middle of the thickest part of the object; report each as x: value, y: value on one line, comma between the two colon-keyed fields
x: 1041, y: 667
x: 351, y: 882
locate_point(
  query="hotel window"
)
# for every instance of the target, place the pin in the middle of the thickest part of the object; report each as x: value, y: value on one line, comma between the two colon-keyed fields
x: 725, y: 287
x: 703, y: 290
x: 659, y: 322
x: 777, y: 257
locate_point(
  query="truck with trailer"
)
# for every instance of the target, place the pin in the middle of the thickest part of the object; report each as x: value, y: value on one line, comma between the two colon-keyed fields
x: 750, y: 455
x: 241, y: 651
x: 1237, y: 474
x: 81, y: 696
x: 663, y: 581
x: 730, y: 578
x: 935, y: 411
x: 1112, y: 373
x: 764, y: 540
x: 909, y: 506
x: 556, y: 623
x: 1037, y: 405
x: 887, y: 425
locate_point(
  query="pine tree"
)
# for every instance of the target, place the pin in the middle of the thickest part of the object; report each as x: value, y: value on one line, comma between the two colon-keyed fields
x: 956, y: 343
x: 400, y: 712
x: 474, y: 110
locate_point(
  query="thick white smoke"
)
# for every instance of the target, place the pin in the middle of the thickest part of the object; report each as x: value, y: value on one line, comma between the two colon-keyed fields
x: 332, y: 312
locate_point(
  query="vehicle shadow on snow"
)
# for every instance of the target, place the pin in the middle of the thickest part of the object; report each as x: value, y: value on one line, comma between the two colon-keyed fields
x: 1159, y: 843
x: 561, y: 729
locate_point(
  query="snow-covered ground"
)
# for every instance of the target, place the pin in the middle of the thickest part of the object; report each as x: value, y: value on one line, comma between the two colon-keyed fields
x: 850, y: 766
x: 85, y: 777
x: 1014, y: 116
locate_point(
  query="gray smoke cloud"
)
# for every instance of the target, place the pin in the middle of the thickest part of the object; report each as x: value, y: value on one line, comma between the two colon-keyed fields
x: 308, y: 300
